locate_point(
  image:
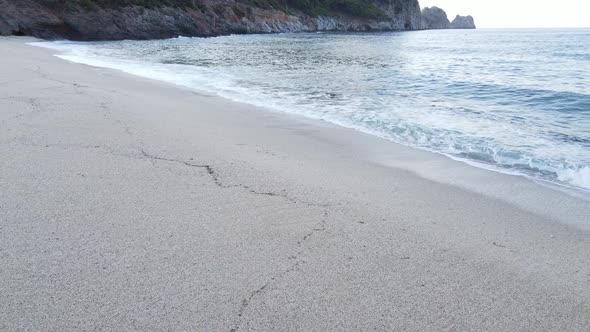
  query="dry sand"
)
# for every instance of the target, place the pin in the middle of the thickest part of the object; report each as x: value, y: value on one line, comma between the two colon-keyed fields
x: 130, y: 204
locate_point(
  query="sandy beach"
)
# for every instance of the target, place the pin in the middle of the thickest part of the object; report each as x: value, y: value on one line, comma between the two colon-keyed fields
x: 132, y: 204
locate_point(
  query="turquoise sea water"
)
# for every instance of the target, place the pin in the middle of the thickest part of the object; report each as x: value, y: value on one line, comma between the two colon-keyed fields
x: 516, y: 101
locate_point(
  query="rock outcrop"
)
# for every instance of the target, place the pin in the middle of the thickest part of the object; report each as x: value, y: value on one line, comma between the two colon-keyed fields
x: 129, y: 19
x: 435, y: 18
x: 463, y: 22
x: 404, y: 14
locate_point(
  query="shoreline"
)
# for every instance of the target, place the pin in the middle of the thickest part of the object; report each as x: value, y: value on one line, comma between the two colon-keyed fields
x: 129, y: 202
x: 578, y: 197
x: 158, y: 73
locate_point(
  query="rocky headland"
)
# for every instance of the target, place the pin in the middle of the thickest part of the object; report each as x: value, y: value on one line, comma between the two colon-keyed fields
x: 436, y: 18
x: 150, y: 19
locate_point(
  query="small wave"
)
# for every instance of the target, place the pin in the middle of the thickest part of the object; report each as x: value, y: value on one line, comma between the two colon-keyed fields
x: 579, y: 177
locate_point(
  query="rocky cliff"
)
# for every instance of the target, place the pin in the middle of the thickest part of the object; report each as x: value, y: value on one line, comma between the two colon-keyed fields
x: 148, y: 19
x: 436, y: 18
x: 463, y: 22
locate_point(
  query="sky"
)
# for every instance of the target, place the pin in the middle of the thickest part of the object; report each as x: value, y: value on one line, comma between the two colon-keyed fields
x: 518, y: 13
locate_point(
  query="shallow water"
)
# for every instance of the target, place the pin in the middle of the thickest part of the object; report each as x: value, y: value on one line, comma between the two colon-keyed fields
x: 516, y: 101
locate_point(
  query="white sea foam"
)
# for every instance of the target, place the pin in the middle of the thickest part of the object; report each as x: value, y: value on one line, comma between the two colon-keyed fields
x: 578, y: 177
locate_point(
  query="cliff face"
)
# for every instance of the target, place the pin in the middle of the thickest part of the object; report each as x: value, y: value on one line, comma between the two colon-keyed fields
x: 404, y: 14
x: 84, y: 20
x: 434, y: 18
x: 148, y: 19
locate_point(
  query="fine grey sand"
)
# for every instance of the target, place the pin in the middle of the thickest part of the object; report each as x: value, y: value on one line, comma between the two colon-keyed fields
x: 130, y: 204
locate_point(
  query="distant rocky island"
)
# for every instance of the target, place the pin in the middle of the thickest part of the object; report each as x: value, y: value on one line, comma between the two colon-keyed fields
x: 150, y: 19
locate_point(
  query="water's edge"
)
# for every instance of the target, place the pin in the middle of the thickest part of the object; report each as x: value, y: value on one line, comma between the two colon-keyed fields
x: 155, y: 74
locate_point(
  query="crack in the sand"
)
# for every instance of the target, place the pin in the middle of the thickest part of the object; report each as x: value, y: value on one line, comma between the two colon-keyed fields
x: 208, y: 168
x: 246, y: 302
x: 285, y: 196
x: 502, y: 246
x: 217, y: 180
x: 298, y: 261
x: 321, y: 227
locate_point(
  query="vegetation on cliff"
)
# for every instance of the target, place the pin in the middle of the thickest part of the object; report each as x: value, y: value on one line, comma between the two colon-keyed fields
x: 361, y: 8
x: 120, y: 3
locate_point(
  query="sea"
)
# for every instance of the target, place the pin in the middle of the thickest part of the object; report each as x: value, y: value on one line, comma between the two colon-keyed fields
x: 513, y: 101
